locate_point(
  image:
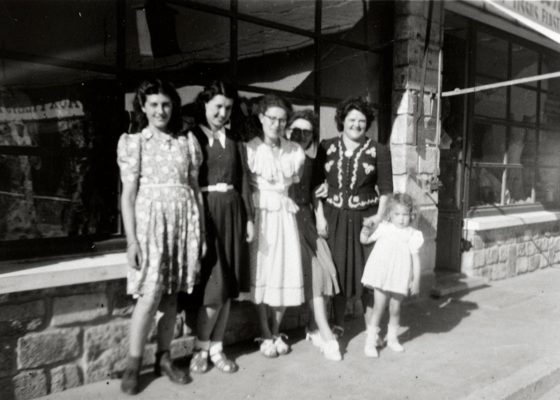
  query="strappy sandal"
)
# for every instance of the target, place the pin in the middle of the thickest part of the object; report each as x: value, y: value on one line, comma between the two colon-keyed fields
x: 267, y: 348
x: 223, y: 364
x: 199, y: 362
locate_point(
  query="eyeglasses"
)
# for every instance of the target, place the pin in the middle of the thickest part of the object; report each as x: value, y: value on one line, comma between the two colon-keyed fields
x: 273, y: 120
x: 298, y: 134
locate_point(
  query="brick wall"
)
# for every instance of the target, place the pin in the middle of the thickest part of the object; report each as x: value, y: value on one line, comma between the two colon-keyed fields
x: 59, y: 338
x: 507, y: 252
x: 414, y: 145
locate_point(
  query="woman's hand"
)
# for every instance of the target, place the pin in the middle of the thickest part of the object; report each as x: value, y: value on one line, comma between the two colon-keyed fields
x: 322, y: 227
x: 322, y: 191
x: 203, y: 246
x: 134, y: 256
x: 250, y: 231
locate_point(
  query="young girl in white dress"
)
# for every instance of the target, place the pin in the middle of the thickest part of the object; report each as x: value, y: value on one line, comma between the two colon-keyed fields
x: 392, y: 269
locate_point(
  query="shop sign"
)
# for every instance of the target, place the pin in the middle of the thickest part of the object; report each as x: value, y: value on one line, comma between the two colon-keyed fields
x: 541, y: 15
x: 54, y: 110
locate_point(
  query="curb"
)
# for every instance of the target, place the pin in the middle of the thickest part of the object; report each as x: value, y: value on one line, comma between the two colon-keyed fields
x: 528, y: 383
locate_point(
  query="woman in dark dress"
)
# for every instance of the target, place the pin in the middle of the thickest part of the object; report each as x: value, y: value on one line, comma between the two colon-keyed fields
x: 353, y: 166
x: 226, y: 194
x: 319, y: 272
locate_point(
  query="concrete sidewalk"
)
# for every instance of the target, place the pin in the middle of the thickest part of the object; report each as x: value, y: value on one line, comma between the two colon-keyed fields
x: 497, y: 342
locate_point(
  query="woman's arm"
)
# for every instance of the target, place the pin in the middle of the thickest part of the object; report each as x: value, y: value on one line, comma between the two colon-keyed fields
x: 128, y: 200
x: 246, y: 192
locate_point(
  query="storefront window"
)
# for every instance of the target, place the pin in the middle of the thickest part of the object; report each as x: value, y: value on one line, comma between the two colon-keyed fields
x: 515, y: 129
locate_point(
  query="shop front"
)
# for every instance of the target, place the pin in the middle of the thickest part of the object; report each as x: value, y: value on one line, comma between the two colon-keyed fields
x: 500, y: 117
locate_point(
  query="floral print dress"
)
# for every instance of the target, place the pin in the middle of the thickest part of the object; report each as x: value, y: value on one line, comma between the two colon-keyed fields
x: 166, y: 210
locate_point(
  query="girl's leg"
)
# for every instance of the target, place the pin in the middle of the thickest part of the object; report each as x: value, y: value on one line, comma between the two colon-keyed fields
x: 367, y: 303
x: 267, y: 348
x: 216, y: 345
x: 372, y: 334
x: 206, y: 320
x: 395, y: 302
x: 166, y: 326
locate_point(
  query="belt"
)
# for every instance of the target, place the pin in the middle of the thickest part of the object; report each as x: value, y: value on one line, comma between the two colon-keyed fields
x: 218, y: 187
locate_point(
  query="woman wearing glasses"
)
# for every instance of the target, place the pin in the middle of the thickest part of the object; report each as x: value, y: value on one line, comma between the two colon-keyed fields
x: 319, y: 273
x: 276, y: 273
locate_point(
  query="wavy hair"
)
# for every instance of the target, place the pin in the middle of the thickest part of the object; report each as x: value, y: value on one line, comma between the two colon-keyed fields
x: 354, y: 103
x: 156, y: 86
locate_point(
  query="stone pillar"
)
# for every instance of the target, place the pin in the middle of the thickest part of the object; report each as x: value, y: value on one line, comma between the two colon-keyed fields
x: 414, y: 147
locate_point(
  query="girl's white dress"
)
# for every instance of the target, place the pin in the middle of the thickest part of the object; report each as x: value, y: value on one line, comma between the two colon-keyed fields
x: 389, y: 266
x: 276, y: 270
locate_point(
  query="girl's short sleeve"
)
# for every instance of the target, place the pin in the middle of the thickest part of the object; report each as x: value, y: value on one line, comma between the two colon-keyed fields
x: 416, y: 241
x: 379, y: 232
x: 128, y: 156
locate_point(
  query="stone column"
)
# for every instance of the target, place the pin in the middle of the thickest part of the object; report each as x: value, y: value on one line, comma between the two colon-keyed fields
x: 414, y: 146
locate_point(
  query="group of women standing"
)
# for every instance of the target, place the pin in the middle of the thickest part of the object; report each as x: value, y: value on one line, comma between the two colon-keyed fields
x: 207, y: 214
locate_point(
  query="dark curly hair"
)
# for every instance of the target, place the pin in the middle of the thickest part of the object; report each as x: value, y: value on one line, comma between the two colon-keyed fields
x: 272, y: 100
x: 310, y: 117
x: 353, y: 103
x: 211, y: 90
x: 156, y: 86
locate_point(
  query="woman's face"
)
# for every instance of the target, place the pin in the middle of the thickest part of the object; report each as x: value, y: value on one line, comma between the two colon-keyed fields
x: 273, y: 122
x: 158, y: 109
x: 354, y: 127
x: 301, y: 131
x: 218, y: 111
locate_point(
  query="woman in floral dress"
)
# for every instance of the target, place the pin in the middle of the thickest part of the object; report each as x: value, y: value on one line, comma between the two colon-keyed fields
x: 161, y: 211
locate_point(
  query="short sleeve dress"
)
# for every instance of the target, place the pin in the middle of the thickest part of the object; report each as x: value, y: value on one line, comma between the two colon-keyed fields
x: 276, y: 271
x: 355, y: 181
x: 389, y: 266
x: 166, y: 211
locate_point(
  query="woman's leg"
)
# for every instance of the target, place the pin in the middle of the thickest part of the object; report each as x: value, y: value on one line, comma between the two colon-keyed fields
x: 268, y: 349
x: 217, y: 341
x: 395, y: 302
x: 165, y: 329
x: 339, y: 309
x: 320, y: 318
x: 220, y: 323
x: 277, y: 315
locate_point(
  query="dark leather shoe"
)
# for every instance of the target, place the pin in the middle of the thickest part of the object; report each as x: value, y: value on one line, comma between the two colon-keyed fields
x: 164, y: 366
x: 130, y: 378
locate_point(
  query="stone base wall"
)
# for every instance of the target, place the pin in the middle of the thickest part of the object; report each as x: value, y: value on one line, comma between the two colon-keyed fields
x: 59, y: 338
x: 506, y: 252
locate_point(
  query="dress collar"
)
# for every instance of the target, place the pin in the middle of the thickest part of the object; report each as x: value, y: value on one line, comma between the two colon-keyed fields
x: 220, y: 133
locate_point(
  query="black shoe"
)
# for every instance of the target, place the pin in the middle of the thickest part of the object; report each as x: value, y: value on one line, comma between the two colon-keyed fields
x: 164, y: 366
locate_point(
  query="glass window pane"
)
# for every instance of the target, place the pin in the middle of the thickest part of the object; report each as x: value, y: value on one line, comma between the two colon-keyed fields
x: 485, y: 186
x: 524, y: 63
x: 548, y: 185
x: 549, y: 147
x: 225, y: 4
x: 296, y: 13
x: 273, y: 59
x: 349, y: 72
x: 489, y: 143
x: 519, y: 186
x: 550, y: 104
x: 345, y: 20
x: 523, y: 105
x: 195, y: 42
x: 491, y: 55
x: 65, y: 180
x: 490, y: 103
x: 87, y: 33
